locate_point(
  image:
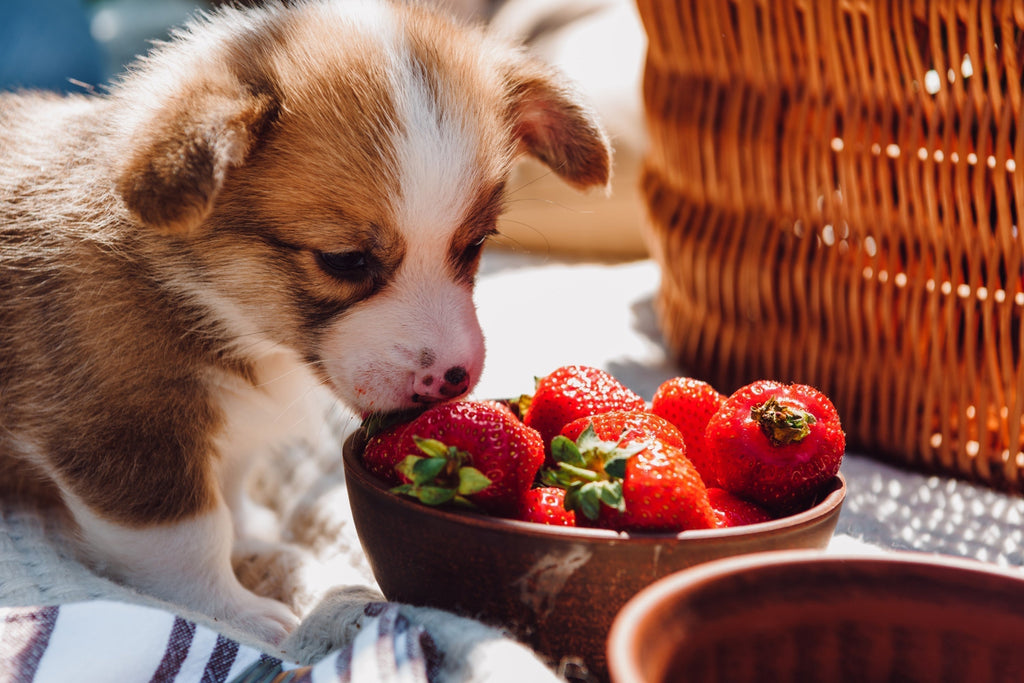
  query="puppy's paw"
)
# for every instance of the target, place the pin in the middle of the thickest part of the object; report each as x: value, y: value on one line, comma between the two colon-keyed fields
x: 273, y: 570
x: 331, y: 625
x: 267, y: 620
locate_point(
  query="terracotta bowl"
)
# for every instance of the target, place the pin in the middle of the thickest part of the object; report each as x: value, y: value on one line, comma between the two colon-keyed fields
x: 556, y: 589
x: 807, y: 616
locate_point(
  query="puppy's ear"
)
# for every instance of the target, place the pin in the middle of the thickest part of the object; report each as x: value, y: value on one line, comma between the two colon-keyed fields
x: 553, y: 125
x: 179, y: 157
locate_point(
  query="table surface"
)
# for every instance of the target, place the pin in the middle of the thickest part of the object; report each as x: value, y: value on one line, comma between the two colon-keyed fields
x: 537, y: 313
x: 540, y: 312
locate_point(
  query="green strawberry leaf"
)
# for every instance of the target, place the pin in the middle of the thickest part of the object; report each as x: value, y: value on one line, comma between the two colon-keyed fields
x: 589, y: 497
x: 426, y: 470
x: 402, y: 490
x: 556, y: 477
x: 577, y: 474
x: 434, y: 495
x: 610, y: 493
x: 472, y: 480
x: 588, y: 441
x: 594, y: 448
x: 550, y: 477
x: 406, y: 466
x: 615, y: 465
x: 617, y: 456
x: 432, y: 447
x: 583, y: 499
x: 440, y: 477
x: 591, y: 470
x: 563, y: 450
x: 421, y: 470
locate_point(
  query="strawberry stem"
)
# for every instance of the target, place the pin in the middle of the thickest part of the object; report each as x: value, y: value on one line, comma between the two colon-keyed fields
x: 591, y: 470
x: 581, y: 473
x: 782, y: 424
x: 442, y: 474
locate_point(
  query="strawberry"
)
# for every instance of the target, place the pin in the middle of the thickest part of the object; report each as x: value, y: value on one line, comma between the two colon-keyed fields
x: 776, y: 444
x: 387, y: 444
x: 383, y: 452
x: 631, y: 425
x: 621, y: 475
x: 571, y: 392
x: 473, y: 453
x: 546, y: 505
x: 731, y: 510
x: 688, y: 404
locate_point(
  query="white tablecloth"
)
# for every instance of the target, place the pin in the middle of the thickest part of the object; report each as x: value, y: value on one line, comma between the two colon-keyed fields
x: 539, y: 313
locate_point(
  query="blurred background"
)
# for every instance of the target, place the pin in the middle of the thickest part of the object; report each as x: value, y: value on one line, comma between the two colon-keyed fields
x: 77, y: 46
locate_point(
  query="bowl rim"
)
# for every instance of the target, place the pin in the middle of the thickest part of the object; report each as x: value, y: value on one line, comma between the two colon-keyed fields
x: 827, y: 506
x: 624, y: 633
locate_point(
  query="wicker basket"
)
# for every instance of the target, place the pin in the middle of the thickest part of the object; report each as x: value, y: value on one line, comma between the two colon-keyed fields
x: 834, y: 198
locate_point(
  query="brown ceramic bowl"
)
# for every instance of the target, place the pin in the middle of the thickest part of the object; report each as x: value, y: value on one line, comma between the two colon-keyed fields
x: 557, y: 589
x: 800, y: 615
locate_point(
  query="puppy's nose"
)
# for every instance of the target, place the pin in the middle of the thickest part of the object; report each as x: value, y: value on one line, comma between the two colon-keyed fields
x: 456, y: 379
x: 429, y: 388
x: 456, y: 375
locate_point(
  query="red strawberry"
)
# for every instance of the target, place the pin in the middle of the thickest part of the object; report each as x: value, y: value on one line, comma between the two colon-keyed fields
x: 776, y: 444
x: 385, y: 449
x: 387, y: 443
x: 472, y: 452
x: 630, y: 425
x: 688, y: 404
x: 731, y: 510
x: 619, y: 476
x: 546, y: 505
x: 575, y: 391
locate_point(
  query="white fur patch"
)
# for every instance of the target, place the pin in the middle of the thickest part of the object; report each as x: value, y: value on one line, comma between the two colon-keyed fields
x: 437, y: 163
x: 373, y: 354
x: 286, y: 404
x: 188, y: 564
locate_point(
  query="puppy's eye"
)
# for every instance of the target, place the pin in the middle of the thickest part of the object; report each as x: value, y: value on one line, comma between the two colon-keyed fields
x: 472, y: 251
x: 347, y: 265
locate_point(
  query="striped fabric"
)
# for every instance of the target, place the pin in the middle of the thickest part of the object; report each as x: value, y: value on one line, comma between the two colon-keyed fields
x: 109, y: 641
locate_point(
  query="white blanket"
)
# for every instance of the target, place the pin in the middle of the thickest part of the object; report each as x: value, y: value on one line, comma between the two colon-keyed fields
x: 532, y: 311
x: 101, y: 640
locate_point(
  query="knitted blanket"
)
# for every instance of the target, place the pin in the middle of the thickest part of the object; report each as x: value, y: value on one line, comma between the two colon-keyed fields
x: 319, y: 570
x: 322, y: 572
x: 104, y: 641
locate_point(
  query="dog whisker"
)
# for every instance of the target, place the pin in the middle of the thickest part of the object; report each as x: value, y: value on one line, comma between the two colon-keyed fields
x: 546, y: 173
x: 506, y: 239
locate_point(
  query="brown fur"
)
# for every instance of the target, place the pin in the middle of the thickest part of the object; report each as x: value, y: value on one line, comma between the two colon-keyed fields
x: 222, y: 166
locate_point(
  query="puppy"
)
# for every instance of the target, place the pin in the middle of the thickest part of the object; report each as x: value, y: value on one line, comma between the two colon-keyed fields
x: 275, y: 200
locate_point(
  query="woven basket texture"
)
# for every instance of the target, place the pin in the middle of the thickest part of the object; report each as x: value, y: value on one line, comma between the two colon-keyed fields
x: 834, y: 190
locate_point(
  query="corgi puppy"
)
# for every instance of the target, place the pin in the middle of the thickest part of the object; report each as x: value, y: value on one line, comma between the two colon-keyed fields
x: 273, y: 201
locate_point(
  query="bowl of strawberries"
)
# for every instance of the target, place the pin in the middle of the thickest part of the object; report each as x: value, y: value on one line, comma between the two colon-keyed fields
x: 543, y: 515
